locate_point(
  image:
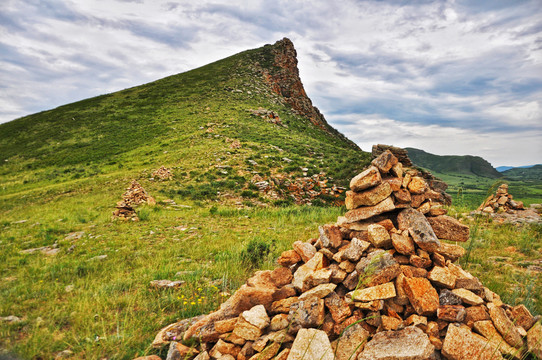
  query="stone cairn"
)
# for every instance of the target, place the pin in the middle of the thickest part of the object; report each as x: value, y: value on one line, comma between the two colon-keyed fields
x: 501, y: 202
x: 381, y: 283
x: 163, y: 173
x: 134, y: 195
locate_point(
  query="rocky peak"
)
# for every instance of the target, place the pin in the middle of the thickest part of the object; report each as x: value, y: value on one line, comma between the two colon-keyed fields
x: 283, y: 77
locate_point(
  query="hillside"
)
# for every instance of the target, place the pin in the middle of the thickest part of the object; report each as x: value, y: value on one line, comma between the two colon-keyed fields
x: 520, y: 173
x: 248, y: 113
x: 448, y: 164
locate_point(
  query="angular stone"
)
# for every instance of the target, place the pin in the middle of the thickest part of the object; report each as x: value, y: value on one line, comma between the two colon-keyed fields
x: 402, y: 196
x: 461, y: 344
x: 369, y: 211
x: 378, y: 292
x: 442, y: 277
x: 377, y: 268
x: 534, y: 340
x: 379, y: 236
x: 321, y: 291
x: 246, y: 330
x: 416, y: 320
x: 347, y: 266
x: 385, y: 161
x: 417, y: 185
x: 224, y: 348
x: 451, y: 252
x: 355, y: 249
x: 317, y: 262
x: 330, y: 236
x: 402, y: 298
x: 268, y: 352
x: 451, y: 313
x: 178, y: 351
x: 351, y: 343
x: 468, y: 297
x: 419, y: 228
x: 225, y: 326
x: 306, y: 313
x: 419, y: 262
x: 304, y: 249
x: 375, y: 305
x: 366, y: 179
x: 311, y: 344
x: 470, y: 284
x: 256, y: 316
x: 446, y: 227
x: 422, y: 295
x: 337, y: 274
x: 289, y: 258
x: 397, y: 170
x: 368, y: 197
x: 408, y: 344
x: 403, y: 244
x: 279, y: 322
x: 283, y: 355
x: 476, y: 313
x: 446, y: 297
x: 395, y: 183
x: 487, y: 330
x: 424, y: 208
x: 174, y: 331
x: 284, y: 292
x: 390, y: 322
x: 504, y: 325
x: 437, y: 210
x: 522, y: 317
x: 338, y: 308
x: 283, y: 306
x: 281, y: 276
x: 352, y: 280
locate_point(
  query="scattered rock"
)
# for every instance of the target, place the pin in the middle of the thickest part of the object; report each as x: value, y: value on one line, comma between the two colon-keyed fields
x: 166, y: 284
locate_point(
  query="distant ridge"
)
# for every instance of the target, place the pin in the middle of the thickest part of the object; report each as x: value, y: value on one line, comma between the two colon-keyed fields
x: 456, y: 164
x: 533, y: 172
x: 504, y: 168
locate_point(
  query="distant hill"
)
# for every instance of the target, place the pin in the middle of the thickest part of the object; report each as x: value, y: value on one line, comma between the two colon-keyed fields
x: 453, y: 164
x: 524, y: 173
x: 504, y: 168
x: 222, y: 127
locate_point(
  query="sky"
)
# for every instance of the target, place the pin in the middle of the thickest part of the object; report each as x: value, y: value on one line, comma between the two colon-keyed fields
x: 449, y: 77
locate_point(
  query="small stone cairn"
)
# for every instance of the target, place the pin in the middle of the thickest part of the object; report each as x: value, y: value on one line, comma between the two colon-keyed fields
x: 501, y: 202
x: 381, y: 283
x: 134, y: 195
x: 163, y: 173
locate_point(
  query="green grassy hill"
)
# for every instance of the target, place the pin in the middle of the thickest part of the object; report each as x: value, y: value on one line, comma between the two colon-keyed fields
x: 187, y: 121
x: 532, y: 173
x: 453, y: 164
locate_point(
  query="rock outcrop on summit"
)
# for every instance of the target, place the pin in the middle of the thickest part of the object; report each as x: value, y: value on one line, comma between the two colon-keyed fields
x: 380, y: 283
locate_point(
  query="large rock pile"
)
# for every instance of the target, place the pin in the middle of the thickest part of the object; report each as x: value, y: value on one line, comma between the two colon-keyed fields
x: 501, y: 202
x: 133, y: 196
x: 381, y: 283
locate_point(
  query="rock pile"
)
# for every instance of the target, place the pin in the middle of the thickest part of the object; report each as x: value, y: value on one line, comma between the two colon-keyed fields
x: 268, y: 115
x: 134, y: 195
x: 381, y: 283
x: 163, y: 173
x: 501, y: 202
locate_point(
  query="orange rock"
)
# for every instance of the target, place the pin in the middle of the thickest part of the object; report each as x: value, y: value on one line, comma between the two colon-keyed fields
x: 423, y: 297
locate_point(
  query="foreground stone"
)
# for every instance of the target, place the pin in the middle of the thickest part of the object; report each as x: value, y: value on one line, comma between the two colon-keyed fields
x: 534, y: 340
x: 367, y: 198
x: 505, y: 326
x: 351, y: 343
x: 410, y: 343
x: 311, y: 344
x: 421, y: 231
x: 366, y: 179
x: 423, y: 297
x: 446, y: 227
x: 379, y: 292
x: 461, y: 344
x: 370, y: 211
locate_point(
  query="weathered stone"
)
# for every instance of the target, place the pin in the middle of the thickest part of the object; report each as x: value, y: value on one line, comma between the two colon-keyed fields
x: 490, y: 296
x: 304, y: 249
x: 283, y: 355
x: 446, y: 297
x: 317, y: 262
x: 397, y: 170
x: 281, y: 277
x: 419, y: 228
x: 166, y: 284
x: 337, y: 274
x: 351, y: 343
x: 419, y: 262
x: 446, y: 227
x: 352, y: 280
x: 412, y: 271
x: 378, y: 292
x: 390, y: 322
x: 451, y: 313
x: 424, y: 208
x: 534, y: 340
x: 417, y: 200
x: 377, y: 268
x: 402, y: 297
x: 178, y: 351
x: 232, y: 338
x: 366, y: 179
x: 422, y: 295
x: 148, y: 357
x: 321, y: 291
x: 347, y: 266
x: 403, y: 244
x: 437, y: 209
x: 224, y: 348
x: 369, y: 211
x: 283, y: 306
x: 408, y: 344
x: 522, y: 317
x: 470, y: 284
x: 256, y: 316
x: 330, y: 236
x: 504, y: 325
x: 487, y: 330
x: 461, y: 344
x: 451, y: 252
x: 338, y: 308
x: 289, y: 258
x: 379, y: 236
x: 417, y: 185
x: 375, y: 305
x: 385, y: 161
x: 355, y: 249
x: 394, y: 182
x: 476, y: 313
x: 306, y: 313
x: 284, y: 292
x: 442, y: 277
x: 268, y: 352
x: 368, y: 197
x: 203, y: 356
x: 468, y: 297
x: 416, y: 320
x: 246, y: 330
x: 225, y: 326
x: 174, y: 331
x: 402, y: 196
x: 279, y: 322
x: 311, y: 344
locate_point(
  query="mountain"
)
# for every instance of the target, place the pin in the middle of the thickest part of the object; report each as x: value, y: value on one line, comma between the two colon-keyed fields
x: 466, y: 164
x: 524, y: 173
x: 504, y: 168
x: 220, y: 125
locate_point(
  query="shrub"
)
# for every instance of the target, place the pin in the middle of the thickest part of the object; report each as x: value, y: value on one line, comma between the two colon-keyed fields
x: 256, y: 252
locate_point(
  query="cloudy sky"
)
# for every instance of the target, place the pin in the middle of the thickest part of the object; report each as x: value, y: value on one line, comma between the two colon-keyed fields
x: 450, y: 77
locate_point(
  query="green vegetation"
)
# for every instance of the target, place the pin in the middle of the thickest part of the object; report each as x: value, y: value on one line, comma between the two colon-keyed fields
x: 524, y: 174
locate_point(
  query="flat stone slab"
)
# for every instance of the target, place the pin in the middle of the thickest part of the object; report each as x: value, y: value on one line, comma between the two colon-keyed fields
x: 311, y: 344
x: 410, y: 343
x: 460, y: 344
x: 421, y: 231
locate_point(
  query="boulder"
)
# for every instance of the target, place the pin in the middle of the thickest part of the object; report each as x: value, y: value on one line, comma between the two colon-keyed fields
x: 410, y: 343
